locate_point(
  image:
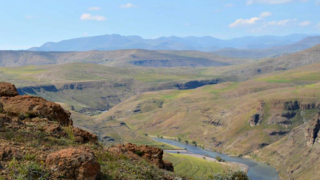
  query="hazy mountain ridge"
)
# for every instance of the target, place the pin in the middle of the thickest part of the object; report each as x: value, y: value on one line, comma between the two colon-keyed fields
x: 303, y: 44
x: 206, y: 43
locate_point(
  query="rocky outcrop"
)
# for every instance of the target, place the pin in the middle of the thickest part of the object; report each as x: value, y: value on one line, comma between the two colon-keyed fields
x: 257, y: 118
x: 29, y: 106
x: 313, y: 131
x: 74, y: 164
x: 196, y: 84
x: 82, y: 136
x: 151, y: 154
x: 7, y: 89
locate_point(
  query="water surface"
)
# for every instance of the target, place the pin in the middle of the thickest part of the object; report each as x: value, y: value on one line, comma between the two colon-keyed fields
x: 257, y: 170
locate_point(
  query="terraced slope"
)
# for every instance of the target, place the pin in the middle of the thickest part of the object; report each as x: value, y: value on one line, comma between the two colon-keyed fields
x: 197, y: 168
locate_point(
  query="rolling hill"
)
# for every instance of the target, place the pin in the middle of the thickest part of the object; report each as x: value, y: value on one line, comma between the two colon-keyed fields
x: 118, y: 58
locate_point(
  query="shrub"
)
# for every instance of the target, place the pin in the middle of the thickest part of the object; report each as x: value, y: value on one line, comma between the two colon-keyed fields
x: 139, y: 153
x: 218, y: 158
x: 186, y: 141
x: 238, y: 175
x: 179, y: 139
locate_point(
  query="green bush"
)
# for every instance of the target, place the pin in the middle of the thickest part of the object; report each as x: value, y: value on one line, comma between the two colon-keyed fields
x: 218, y: 158
x: 238, y: 175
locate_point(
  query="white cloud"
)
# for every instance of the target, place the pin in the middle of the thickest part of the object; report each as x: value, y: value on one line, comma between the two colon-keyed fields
x: 280, y: 23
x: 94, y: 9
x: 253, y: 20
x: 128, y: 5
x: 85, y: 17
x: 229, y: 5
x: 265, y: 14
x: 317, y: 2
x: 249, y: 2
x: 28, y: 17
x: 305, y: 23
x: 241, y: 22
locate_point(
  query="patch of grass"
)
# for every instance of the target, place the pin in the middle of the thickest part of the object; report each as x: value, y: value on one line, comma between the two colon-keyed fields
x: 197, y: 168
x: 69, y: 131
x: 29, y: 170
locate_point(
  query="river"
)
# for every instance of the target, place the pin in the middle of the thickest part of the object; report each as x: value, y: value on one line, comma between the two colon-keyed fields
x: 257, y: 170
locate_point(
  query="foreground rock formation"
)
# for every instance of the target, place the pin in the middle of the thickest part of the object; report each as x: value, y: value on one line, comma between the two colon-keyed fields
x: 151, y: 154
x: 38, y: 141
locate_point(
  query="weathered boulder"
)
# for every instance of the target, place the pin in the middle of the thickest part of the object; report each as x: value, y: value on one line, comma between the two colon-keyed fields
x: 74, y: 164
x: 29, y: 106
x: 151, y: 154
x: 83, y: 136
x: 7, y: 89
x: 313, y: 130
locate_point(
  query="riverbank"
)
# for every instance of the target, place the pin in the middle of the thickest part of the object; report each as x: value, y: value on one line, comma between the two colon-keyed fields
x: 257, y: 170
x: 232, y: 165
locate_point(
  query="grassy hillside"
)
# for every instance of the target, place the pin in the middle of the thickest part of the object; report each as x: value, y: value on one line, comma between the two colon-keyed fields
x: 232, y: 117
x: 91, y: 88
x: 118, y: 58
x: 282, y: 63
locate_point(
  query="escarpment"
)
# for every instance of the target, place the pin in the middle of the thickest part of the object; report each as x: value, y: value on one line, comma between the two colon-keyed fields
x: 282, y: 113
x: 313, y: 131
x: 95, y: 97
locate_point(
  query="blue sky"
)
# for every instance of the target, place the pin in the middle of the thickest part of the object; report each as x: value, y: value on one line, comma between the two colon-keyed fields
x: 27, y: 23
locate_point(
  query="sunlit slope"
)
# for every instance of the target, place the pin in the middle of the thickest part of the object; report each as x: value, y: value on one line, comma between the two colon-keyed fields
x: 134, y: 57
x: 197, y: 168
x: 233, y: 117
x: 282, y: 63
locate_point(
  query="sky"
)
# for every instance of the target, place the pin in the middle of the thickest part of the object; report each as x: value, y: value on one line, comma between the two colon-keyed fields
x: 29, y: 23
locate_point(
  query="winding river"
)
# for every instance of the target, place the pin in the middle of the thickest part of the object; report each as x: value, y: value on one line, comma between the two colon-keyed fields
x: 257, y: 170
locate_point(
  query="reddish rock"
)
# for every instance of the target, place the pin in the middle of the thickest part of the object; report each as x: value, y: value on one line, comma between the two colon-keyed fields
x: 74, y: 164
x: 151, y: 154
x: 29, y: 106
x: 55, y: 130
x: 83, y: 136
x: 7, y: 89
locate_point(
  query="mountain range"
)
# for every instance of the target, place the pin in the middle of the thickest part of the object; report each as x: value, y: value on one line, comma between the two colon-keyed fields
x: 206, y: 43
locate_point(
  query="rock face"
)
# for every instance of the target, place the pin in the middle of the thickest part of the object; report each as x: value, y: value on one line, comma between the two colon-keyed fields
x: 82, y: 136
x: 257, y: 118
x: 29, y: 107
x: 151, y: 154
x: 7, y: 89
x: 313, y: 131
x: 73, y: 164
